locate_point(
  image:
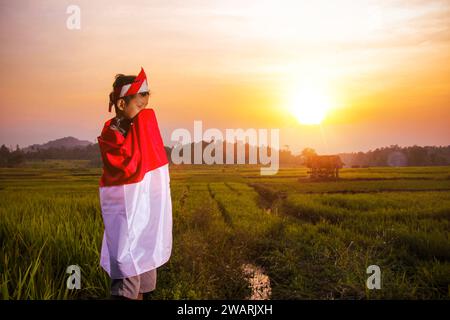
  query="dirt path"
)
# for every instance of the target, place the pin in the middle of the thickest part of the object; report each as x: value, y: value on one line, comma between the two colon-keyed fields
x: 258, y: 281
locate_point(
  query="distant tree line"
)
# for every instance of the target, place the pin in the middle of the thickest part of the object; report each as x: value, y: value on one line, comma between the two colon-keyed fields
x: 15, y: 158
x: 387, y: 156
x: 399, y: 156
x: 10, y: 158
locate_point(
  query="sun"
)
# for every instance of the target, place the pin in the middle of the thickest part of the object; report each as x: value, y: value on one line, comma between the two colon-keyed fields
x: 309, y: 105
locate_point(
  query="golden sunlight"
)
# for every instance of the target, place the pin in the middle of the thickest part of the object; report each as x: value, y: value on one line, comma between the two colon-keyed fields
x: 309, y: 106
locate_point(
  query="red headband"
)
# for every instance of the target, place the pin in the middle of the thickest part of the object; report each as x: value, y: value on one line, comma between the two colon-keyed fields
x: 139, y: 85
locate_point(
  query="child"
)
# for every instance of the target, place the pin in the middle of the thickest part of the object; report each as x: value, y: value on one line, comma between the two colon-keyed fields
x: 134, y: 192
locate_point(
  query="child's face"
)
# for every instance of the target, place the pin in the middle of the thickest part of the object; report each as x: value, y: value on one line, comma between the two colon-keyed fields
x: 135, y: 105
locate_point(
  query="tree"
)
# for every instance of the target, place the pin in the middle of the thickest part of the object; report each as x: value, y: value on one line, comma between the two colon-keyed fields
x: 4, y: 156
x: 15, y: 158
x: 307, y: 153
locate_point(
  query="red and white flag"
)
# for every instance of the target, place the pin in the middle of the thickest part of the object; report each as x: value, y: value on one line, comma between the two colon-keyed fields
x: 135, y: 198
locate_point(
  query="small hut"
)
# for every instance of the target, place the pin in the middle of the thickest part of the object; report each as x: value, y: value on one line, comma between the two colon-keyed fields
x: 324, y: 167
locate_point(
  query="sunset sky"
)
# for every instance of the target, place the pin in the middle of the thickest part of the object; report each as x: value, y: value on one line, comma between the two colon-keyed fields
x: 383, y: 66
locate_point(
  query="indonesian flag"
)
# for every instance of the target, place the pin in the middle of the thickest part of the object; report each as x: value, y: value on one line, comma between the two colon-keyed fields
x: 135, y: 198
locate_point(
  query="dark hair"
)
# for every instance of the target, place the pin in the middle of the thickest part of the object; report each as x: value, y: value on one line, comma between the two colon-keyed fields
x: 121, y: 80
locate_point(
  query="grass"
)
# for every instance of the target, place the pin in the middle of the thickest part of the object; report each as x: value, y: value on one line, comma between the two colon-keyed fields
x: 314, y: 240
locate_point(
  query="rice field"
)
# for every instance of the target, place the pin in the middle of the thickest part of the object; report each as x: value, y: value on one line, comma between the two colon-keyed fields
x: 308, y: 240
